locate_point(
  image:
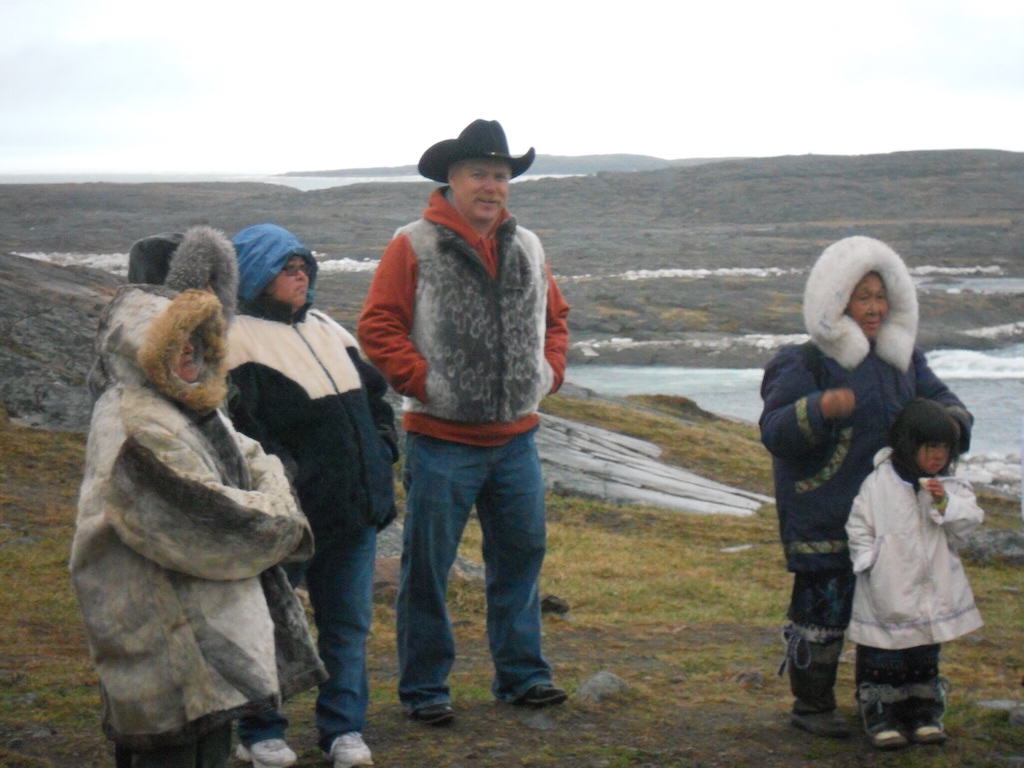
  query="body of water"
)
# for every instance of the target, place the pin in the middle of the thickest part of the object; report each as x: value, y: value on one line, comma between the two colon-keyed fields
x: 991, y: 384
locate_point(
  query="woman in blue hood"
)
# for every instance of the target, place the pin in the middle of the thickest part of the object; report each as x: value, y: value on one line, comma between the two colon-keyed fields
x: 302, y: 390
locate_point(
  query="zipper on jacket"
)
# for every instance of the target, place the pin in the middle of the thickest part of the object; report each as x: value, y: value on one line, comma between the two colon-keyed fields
x: 358, y: 441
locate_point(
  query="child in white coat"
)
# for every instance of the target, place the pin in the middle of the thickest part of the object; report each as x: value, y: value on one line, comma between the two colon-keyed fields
x: 911, y: 593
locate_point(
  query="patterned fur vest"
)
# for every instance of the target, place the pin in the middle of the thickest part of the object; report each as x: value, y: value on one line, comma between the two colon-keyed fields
x: 482, y: 338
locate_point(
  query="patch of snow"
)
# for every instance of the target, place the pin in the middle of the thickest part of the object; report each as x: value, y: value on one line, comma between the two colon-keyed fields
x: 978, y: 269
x: 347, y: 265
x: 997, y: 331
x: 116, y: 263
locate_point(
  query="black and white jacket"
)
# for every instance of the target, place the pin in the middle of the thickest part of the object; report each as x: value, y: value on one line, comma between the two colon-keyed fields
x: 300, y: 387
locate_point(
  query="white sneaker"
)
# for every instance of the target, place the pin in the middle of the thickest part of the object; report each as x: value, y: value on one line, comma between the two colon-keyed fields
x: 269, y: 753
x: 349, y: 749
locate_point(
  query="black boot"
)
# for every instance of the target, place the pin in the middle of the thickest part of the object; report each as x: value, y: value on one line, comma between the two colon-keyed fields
x: 812, y: 679
x: 923, y: 710
x: 879, y: 709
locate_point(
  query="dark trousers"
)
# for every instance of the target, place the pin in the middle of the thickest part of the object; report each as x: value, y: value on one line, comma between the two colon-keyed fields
x: 900, y: 686
x: 210, y: 751
x: 819, y: 610
x: 823, y: 600
x: 882, y: 666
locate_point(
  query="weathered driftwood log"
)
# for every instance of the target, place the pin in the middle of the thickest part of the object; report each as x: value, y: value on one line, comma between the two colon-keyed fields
x: 594, y: 462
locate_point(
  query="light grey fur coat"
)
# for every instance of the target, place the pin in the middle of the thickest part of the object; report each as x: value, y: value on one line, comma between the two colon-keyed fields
x: 168, y: 553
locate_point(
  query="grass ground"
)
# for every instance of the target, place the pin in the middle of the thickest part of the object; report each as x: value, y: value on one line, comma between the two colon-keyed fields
x: 663, y: 600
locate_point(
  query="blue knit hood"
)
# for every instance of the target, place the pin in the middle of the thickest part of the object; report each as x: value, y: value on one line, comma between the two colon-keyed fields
x: 263, y: 250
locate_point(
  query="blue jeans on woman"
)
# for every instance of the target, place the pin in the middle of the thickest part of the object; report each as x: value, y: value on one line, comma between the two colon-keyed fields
x: 443, y: 481
x: 339, y: 577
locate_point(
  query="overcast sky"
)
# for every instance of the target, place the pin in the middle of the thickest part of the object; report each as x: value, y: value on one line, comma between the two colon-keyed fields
x: 254, y: 87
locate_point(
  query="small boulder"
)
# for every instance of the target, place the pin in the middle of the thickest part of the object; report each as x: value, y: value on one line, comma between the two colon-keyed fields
x: 554, y: 604
x: 603, y: 685
x: 996, y: 545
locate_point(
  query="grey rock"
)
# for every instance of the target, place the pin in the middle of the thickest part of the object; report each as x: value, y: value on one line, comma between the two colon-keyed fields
x: 601, y: 686
x: 750, y: 679
x: 389, y: 545
x: 389, y: 541
x: 47, y: 325
x: 554, y: 604
x: 996, y: 545
x: 588, y: 461
x: 1000, y: 705
x: 1017, y: 716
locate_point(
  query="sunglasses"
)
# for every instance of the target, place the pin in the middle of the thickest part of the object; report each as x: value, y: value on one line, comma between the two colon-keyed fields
x: 294, y: 267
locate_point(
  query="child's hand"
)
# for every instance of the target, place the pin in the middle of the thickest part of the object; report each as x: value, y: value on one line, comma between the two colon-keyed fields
x: 934, y: 487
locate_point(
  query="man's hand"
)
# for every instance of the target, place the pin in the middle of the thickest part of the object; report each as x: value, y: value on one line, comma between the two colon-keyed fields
x: 837, y: 404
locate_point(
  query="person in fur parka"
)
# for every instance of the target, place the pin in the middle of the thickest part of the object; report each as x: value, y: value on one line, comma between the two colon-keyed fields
x: 179, y: 519
x: 828, y: 407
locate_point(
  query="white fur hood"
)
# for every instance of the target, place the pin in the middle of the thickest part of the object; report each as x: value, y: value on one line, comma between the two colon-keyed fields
x: 829, y: 286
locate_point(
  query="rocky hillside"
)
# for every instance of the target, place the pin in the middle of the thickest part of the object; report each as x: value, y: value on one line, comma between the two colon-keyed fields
x: 948, y: 208
x: 543, y: 164
x: 934, y: 207
x: 48, y: 319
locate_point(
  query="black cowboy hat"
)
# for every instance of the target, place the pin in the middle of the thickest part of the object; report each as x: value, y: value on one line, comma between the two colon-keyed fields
x: 479, y: 139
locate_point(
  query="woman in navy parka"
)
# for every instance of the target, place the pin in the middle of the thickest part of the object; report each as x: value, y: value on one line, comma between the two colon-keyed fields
x: 828, y: 407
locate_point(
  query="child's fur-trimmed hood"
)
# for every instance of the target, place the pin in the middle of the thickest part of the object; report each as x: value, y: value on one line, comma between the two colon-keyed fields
x: 827, y: 293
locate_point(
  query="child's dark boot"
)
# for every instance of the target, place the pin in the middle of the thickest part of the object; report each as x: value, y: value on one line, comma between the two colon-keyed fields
x: 923, y: 710
x: 878, y: 704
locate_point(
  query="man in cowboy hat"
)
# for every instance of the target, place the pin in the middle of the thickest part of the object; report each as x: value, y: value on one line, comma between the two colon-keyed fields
x: 465, y: 320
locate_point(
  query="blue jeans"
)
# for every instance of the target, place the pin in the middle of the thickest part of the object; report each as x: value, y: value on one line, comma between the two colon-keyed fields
x: 443, y: 481
x: 340, y: 582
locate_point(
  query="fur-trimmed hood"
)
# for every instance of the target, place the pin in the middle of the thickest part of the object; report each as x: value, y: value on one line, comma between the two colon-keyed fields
x: 150, y: 257
x: 142, y: 332
x: 206, y: 259
x: 202, y: 258
x: 829, y: 286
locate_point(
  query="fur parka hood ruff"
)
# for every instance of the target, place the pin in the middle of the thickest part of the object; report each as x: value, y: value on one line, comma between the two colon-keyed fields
x: 202, y: 258
x: 142, y: 331
x: 829, y: 286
